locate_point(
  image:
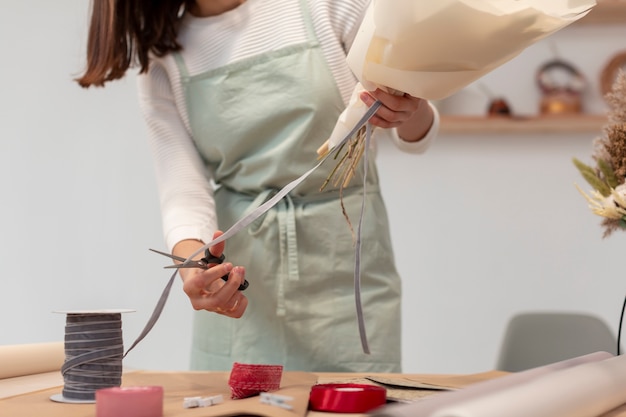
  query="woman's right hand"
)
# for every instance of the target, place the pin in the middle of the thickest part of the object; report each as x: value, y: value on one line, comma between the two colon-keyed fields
x: 206, y: 289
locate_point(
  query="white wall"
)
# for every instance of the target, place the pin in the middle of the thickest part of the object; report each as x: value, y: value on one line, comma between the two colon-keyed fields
x: 484, y: 226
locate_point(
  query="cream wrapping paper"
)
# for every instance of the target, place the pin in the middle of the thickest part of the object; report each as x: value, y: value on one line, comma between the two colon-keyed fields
x: 427, y: 407
x: 432, y: 49
x: 29, y: 359
x: 587, y: 390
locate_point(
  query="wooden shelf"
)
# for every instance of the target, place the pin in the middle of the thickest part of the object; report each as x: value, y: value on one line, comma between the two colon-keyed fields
x: 512, y: 125
x: 605, y: 11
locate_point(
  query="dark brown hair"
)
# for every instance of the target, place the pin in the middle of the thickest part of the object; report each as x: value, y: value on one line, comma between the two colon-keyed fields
x: 123, y: 33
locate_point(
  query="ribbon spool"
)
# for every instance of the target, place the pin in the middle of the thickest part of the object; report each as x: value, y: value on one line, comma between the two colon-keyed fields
x: 94, y: 349
x: 247, y: 380
x: 130, y: 402
x: 346, y: 398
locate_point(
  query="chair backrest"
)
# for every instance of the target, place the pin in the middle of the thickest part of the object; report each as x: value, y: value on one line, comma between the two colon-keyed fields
x: 539, y: 338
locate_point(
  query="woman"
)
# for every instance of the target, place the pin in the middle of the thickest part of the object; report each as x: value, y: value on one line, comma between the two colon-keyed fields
x: 237, y: 97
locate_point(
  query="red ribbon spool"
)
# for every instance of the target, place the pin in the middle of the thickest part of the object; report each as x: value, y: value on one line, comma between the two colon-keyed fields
x: 346, y: 398
x: 247, y: 380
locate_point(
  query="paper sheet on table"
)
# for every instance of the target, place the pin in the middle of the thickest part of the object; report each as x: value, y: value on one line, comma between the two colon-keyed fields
x: 426, y: 408
x: 432, y: 49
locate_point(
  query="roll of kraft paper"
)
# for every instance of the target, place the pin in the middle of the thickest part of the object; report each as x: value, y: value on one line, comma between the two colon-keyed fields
x: 30, y: 359
x: 587, y: 390
x: 481, y: 389
x: 130, y: 402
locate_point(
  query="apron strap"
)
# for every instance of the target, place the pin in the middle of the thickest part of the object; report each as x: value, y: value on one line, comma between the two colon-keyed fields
x: 287, y: 242
x: 180, y: 63
x: 288, y: 250
x: 306, y: 14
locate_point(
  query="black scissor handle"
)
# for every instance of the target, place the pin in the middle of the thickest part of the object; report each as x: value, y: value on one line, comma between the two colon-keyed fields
x: 242, y: 286
x: 211, y: 259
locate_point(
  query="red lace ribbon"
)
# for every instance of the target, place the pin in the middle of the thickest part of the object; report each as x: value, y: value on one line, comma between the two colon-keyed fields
x: 247, y: 380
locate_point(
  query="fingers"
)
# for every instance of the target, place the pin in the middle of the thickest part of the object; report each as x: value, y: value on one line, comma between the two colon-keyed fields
x: 395, y: 109
x: 217, y: 250
x: 207, y: 291
x: 228, y: 300
x: 235, y: 307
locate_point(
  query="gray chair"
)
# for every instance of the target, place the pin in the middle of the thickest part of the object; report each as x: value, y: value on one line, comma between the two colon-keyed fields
x: 539, y: 338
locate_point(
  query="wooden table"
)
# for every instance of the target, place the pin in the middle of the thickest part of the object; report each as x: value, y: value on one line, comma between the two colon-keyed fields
x: 29, y: 396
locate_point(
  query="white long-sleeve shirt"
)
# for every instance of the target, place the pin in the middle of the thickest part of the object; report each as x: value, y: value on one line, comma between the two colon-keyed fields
x: 257, y: 26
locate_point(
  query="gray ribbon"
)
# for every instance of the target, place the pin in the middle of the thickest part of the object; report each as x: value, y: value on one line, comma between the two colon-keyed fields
x: 357, y: 256
x: 259, y: 211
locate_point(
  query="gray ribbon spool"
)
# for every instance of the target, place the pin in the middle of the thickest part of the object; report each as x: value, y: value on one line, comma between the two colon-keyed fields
x: 94, y: 349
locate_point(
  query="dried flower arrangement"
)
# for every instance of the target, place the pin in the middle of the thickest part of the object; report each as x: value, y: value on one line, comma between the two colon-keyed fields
x: 608, y: 176
x: 341, y: 175
x: 348, y: 155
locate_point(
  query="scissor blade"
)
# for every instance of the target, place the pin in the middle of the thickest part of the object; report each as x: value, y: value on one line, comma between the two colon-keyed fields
x: 177, y: 258
x: 194, y: 264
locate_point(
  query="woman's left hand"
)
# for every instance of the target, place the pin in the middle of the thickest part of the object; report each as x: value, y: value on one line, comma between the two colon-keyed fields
x: 395, y: 109
x: 412, y: 116
x: 205, y: 287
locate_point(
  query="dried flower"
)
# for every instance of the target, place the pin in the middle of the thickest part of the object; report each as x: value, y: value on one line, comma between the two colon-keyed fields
x: 612, y: 206
x: 349, y: 155
x: 607, y: 178
x: 616, y: 99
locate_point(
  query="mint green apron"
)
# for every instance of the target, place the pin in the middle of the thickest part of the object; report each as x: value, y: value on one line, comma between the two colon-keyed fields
x: 257, y: 123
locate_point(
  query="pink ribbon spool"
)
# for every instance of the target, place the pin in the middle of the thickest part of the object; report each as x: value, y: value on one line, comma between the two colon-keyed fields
x: 130, y: 402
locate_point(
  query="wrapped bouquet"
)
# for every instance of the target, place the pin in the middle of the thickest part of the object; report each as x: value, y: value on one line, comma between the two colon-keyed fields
x: 432, y: 49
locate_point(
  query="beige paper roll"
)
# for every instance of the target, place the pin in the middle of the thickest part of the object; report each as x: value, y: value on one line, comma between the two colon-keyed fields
x: 587, y: 390
x: 485, y: 389
x: 29, y: 359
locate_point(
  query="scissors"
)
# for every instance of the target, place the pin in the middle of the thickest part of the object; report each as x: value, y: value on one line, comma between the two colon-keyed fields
x: 202, y: 263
